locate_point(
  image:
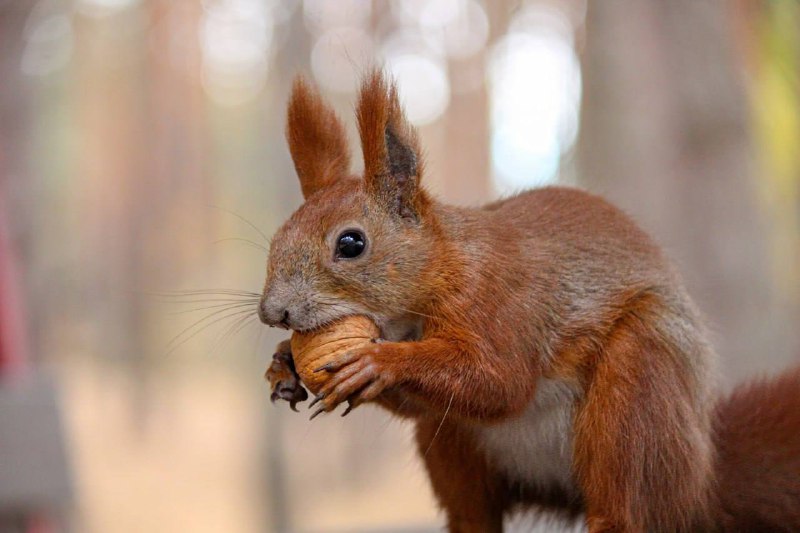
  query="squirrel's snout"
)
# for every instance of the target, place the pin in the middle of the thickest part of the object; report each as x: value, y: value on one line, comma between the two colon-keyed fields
x: 273, y: 315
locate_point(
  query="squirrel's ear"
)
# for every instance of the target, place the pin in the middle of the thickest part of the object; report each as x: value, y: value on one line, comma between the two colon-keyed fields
x: 392, y: 157
x: 317, y: 139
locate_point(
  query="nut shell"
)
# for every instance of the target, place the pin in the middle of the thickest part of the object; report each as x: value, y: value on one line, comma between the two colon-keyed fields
x: 313, y: 349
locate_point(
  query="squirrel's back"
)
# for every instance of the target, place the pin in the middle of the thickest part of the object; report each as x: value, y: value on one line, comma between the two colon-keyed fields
x: 582, y: 261
x: 581, y: 226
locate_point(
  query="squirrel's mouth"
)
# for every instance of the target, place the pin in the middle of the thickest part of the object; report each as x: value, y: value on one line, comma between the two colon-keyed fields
x: 393, y: 330
x: 312, y: 328
x: 317, y: 326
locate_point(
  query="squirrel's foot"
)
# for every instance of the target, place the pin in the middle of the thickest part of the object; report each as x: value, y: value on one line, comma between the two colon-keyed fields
x: 358, y: 377
x: 283, y: 378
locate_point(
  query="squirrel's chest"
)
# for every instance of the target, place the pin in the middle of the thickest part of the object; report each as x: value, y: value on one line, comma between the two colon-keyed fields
x: 535, y: 448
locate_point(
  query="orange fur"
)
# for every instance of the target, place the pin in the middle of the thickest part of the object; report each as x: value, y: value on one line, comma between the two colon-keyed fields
x: 317, y: 139
x: 543, y: 344
x: 380, y: 118
x: 758, y: 439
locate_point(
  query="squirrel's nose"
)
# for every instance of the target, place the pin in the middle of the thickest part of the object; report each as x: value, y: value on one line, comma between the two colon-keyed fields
x: 273, y: 315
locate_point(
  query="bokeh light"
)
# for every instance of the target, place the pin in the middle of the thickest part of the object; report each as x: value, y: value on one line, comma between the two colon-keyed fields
x: 461, y: 26
x: 235, y: 37
x: 103, y: 8
x: 421, y: 74
x: 322, y: 15
x: 48, y: 41
x: 423, y: 86
x: 337, y: 55
x: 534, y: 76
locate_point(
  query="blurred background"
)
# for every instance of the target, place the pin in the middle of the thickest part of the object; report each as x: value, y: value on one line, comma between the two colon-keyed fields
x: 143, y: 168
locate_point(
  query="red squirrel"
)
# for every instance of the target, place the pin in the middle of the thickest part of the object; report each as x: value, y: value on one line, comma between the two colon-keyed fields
x: 544, y: 346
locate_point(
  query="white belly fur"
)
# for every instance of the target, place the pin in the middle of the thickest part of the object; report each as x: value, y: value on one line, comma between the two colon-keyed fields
x: 536, y: 447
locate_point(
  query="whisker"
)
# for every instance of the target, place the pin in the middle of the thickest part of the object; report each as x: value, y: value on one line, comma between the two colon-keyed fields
x: 231, y: 306
x: 249, y: 322
x: 205, y: 292
x: 226, y: 314
x: 199, y: 298
x: 438, y: 429
x: 182, y: 335
x: 257, y: 343
x: 234, y: 327
x: 211, y: 297
x: 243, y: 240
x: 388, y: 421
x: 220, y: 301
x: 197, y: 332
x: 240, y: 217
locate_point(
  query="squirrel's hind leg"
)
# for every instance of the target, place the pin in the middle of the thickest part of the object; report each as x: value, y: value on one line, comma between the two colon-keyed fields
x: 642, y: 453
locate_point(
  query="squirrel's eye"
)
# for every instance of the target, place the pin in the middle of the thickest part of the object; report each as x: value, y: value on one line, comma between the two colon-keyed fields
x: 350, y: 244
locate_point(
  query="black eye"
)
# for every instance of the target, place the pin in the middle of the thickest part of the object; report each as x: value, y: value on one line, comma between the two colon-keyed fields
x: 350, y: 244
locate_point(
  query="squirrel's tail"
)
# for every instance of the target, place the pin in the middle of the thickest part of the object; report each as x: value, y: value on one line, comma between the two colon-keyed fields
x: 757, y: 433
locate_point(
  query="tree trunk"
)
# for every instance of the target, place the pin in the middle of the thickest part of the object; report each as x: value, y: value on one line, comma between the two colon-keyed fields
x: 666, y: 136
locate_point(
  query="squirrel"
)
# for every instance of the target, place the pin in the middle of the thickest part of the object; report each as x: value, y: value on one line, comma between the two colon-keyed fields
x: 544, y: 346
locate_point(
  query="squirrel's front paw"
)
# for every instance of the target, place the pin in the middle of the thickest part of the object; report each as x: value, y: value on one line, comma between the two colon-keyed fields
x: 358, y: 376
x: 283, y: 378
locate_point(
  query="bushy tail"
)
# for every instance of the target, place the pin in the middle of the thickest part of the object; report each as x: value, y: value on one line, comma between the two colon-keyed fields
x: 758, y: 441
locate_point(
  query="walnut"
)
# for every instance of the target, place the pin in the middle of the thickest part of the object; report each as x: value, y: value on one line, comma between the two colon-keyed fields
x: 312, y: 350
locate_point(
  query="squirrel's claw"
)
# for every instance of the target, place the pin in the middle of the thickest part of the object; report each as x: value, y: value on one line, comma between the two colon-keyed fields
x: 350, y: 406
x: 291, y: 392
x: 316, y: 400
x: 358, y: 378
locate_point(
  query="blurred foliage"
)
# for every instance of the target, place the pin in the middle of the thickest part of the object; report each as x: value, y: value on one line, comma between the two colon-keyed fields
x: 776, y: 103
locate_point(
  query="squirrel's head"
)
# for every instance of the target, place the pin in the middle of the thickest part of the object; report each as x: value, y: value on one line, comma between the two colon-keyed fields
x: 358, y: 245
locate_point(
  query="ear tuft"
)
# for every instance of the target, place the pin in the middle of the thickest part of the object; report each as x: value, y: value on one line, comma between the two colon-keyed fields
x: 392, y: 157
x: 317, y: 139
